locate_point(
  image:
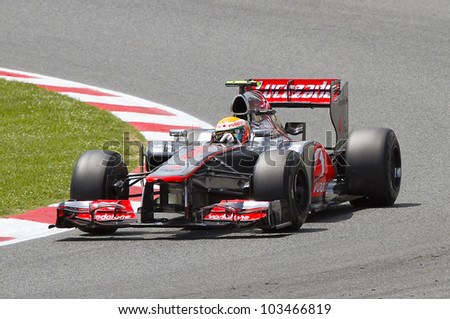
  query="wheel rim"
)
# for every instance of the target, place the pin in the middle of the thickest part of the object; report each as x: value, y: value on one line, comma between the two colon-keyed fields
x: 299, y: 192
x: 396, y: 168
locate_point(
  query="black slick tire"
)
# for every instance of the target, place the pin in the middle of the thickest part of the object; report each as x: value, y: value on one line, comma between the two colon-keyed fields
x: 94, y: 176
x: 281, y: 175
x: 374, y: 166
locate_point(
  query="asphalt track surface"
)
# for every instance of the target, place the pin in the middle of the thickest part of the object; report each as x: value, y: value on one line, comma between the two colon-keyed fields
x: 394, y: 54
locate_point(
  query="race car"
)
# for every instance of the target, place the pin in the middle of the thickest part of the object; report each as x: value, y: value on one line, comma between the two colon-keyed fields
x: 251, y: 170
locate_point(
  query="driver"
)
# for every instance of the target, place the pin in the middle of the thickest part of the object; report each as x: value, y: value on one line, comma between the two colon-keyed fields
x: 231, y: 130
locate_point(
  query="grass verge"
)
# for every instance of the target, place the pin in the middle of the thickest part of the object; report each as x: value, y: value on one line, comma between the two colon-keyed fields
x: 43, y: 134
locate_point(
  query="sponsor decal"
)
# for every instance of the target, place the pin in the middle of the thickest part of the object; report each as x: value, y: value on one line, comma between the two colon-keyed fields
x: 111, y: 216
x: 234, y: 124
x: 320, y: 187
x: 235, y: 217
x: 323, y: 171
x: 298, y: 91
x: 106, y: 216
x: 227, y: 217
x: 238, y: 211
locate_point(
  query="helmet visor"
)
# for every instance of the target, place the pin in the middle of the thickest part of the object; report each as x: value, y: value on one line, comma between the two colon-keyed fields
x: 237, y: 134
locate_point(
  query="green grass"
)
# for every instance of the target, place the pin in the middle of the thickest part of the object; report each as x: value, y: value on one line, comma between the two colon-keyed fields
x: 42, y: 135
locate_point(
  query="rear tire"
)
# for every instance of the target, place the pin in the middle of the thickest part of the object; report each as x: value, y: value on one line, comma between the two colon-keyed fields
x: 282, y: 175
x: 94, y: 177
x: 374, y: 166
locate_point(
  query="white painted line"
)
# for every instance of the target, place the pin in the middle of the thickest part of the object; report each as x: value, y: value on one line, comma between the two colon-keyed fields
x: 160, y: 119
x: 22, y: 230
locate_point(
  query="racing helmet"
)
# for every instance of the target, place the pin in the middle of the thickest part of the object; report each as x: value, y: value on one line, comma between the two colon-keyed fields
x: 232, y: 129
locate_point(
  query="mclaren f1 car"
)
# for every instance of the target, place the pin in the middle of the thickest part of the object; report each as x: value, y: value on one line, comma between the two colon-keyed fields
x: 272, y: 179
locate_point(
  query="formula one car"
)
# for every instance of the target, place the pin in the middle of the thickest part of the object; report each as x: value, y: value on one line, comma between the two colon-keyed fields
x: 270, y: 179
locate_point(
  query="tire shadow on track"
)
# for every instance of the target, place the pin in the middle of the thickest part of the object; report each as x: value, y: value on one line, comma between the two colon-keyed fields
x: 344, y: 212
x: 405, y: 205
x: 175, y: 236
x: 333, y: 214
x: 183, y: 234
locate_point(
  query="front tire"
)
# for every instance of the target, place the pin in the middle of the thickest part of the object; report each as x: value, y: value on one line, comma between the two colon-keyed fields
x: 282, y: 176
x: 374, y: 166
x: 96, y: 176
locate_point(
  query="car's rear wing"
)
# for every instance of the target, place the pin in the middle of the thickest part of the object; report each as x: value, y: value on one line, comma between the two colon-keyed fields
x: 305, y: 93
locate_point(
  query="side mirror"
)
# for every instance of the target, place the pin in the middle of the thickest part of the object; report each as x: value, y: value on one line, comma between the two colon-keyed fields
x: 178, y: 133
x: 262, y: 133
x: 296, y: 128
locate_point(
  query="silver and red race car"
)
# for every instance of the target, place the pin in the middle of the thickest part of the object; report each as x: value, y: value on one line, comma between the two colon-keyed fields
x: 273, y: 180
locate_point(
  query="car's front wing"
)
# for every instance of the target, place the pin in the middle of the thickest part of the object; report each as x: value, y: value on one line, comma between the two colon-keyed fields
x: 119, y: 213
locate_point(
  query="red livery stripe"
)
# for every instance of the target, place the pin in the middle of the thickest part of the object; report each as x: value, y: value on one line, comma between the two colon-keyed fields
x: 64, y: 89
x: 125, y: 108
x: 155, y: 127
x: 6, y: 238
